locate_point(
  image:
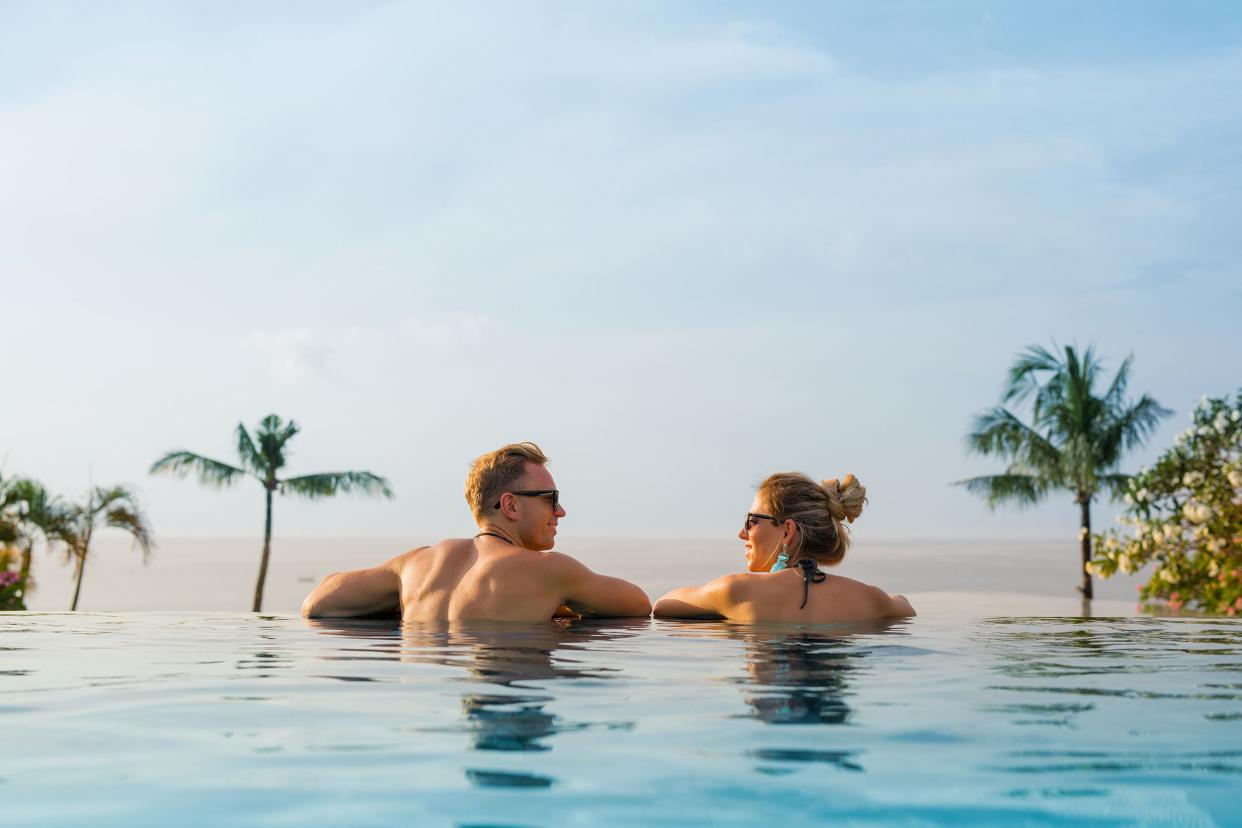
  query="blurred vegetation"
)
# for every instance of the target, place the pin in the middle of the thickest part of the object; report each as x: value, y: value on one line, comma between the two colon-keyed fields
x: 1185, y: 515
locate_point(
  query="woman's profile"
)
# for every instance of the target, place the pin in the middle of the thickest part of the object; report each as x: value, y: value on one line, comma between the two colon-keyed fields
x: 794, y: 527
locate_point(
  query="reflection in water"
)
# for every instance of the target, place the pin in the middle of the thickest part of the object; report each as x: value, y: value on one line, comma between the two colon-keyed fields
x: 801, y: 674
x: 797, y: 675
x: 507, y: 657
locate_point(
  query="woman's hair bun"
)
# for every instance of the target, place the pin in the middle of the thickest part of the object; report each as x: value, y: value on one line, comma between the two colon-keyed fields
x: 845, y: 497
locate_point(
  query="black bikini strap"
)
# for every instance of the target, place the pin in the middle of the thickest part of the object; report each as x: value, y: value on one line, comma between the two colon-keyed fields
x: 810, y: 575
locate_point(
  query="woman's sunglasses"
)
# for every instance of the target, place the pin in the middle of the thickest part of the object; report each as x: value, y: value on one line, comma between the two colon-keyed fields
x: 552, y: 493
x: 752, y: 518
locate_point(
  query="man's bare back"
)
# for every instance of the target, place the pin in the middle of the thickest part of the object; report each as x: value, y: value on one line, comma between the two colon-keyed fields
x: 504, y: 573
x: 465, y: 578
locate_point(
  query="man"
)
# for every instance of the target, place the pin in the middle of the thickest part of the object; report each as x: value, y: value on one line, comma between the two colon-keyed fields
x: 504, y: 572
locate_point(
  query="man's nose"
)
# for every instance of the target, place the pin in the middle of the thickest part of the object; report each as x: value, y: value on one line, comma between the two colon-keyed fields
x: 560, y: 510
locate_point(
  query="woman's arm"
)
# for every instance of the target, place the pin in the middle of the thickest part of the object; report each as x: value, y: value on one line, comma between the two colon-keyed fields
x: 712, y: 600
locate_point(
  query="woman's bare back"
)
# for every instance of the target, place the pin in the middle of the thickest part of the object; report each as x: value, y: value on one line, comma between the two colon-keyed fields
x: 777, y: 597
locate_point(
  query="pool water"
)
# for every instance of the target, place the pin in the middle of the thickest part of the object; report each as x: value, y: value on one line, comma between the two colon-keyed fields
x: 150, y: 719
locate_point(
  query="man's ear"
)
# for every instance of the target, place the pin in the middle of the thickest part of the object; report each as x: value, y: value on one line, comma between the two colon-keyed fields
x: 508, y: 509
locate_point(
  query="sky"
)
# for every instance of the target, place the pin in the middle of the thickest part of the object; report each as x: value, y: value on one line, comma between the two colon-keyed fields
x: 680, y: 246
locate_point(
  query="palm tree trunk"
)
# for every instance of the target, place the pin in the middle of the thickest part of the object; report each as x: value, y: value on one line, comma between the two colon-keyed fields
x: 267, y: 548
x: 77, y: 589
x: 24, y: 574
x: 1084, y: 505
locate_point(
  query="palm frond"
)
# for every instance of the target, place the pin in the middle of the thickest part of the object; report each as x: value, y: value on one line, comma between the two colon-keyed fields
x: 1135, y: 424
x: 1023, y: 379
x: 1116, y: 484
x: 1023, y: 489
x: 315, y: 486
x: 210, y: 472
x: 250, y: 456
x: 273, y: 433
x: 129, y: 517
x: 1114, y: 397
x: 998, y: 431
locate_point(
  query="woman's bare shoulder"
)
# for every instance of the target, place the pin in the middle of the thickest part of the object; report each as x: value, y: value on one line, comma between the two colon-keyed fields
x: 881, y: 600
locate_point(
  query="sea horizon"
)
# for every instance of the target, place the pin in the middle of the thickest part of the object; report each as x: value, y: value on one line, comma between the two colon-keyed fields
x: 971, y: 575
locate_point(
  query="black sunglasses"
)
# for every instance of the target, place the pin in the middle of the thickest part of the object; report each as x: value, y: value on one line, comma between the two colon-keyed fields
x: 552, y: 493
x: 753, y: 518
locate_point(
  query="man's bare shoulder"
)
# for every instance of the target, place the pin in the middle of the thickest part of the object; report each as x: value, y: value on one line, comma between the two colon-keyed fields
x: 549, y: 561
x: 448, y: 546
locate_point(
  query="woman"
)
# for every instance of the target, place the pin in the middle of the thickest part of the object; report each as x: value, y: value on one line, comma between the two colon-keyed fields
x: 794, y: 526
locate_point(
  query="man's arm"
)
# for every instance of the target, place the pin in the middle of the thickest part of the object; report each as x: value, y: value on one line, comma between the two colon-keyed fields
x: 358, y: 592
x: 591, y: 594
x: 712, y: 600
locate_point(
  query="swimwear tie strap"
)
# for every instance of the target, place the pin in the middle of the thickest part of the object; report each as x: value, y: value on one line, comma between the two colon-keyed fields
x: 810, y: 575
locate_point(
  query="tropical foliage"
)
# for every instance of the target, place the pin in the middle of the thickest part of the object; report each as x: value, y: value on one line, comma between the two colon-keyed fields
x: 1185, y: 515
x: 115, y: 507
x: 28, y: 514
x: 1074, y: 441
x: 263, y: 457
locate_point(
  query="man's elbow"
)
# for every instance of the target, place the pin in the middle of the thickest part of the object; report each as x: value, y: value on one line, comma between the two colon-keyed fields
x: 312, y: 606
x: 642, y: 605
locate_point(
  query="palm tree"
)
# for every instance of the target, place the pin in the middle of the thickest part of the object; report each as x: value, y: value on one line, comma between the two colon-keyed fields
x: 116, y: 508
x: 29, y: 514
x: 263, y: 461
x: 1074, y: 441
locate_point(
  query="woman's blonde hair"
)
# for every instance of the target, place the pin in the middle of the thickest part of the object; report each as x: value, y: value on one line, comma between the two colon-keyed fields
x: 821, y: 510
x: 493, y: 473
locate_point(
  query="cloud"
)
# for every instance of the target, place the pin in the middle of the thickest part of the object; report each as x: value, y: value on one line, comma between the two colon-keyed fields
x: 295, y: 354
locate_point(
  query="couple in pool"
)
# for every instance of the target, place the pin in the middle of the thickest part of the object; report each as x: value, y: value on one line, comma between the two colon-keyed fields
x: 506, y: 571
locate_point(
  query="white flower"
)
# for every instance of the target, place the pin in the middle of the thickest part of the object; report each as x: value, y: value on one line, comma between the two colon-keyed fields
x: 1192, y: 478
x: 1213, y: 569
x: 1167, y: 576
x: 1204, y: 431
x: 1157, y: 535
x: 1092, y: 568
x: 1126, y: 564
x: 1141, y: 494
x: 1204, y: 404
x: 1236, y: 415
x: 1221, y: 422
x: 1197, y: 512
x: 1129, y: 499
x: 1235, y: 478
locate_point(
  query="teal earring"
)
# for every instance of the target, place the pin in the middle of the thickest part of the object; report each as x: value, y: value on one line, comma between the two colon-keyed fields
x: 782, y: 560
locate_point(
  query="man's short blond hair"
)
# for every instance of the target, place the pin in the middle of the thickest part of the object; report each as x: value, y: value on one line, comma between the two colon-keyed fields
x: 495, y: 472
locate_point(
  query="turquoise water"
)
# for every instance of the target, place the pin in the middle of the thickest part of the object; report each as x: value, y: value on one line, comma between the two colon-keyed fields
x: 148, y: 719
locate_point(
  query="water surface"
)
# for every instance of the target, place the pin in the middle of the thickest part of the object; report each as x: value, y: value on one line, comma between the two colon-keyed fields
x: 209, y: 719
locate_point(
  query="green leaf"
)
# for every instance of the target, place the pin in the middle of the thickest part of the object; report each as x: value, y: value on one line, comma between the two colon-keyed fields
x: 328, y: 484
x: 210, y: 472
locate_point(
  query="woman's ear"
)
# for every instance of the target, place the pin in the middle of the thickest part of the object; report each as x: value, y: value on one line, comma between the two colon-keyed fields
x: 790, y: 532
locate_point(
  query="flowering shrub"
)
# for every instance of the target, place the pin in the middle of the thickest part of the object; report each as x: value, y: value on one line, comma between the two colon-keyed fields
x: 11, y: 590
x: 1185, y: 515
